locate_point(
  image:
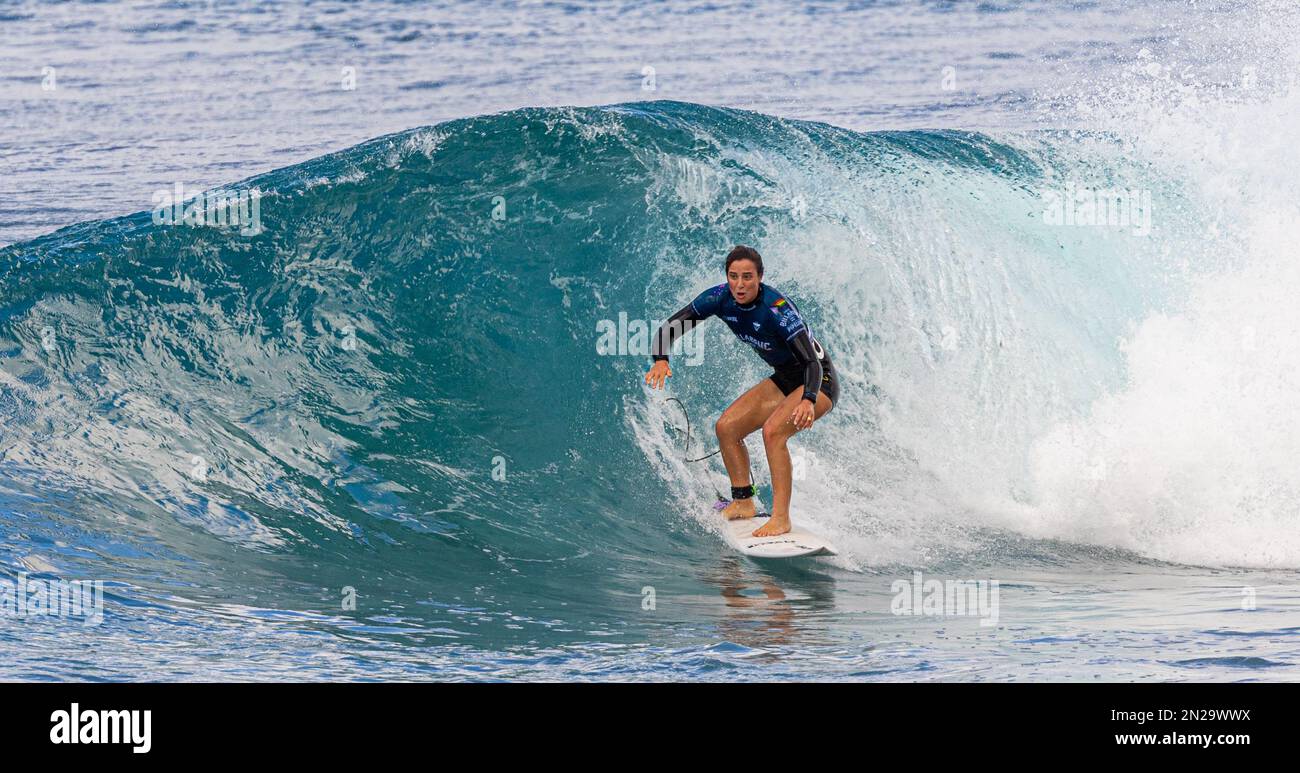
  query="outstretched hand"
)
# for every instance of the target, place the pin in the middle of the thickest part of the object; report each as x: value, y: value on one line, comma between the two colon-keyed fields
x: 658, y: 374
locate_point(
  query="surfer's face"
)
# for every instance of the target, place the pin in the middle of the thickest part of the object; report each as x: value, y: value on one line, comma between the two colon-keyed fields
x: 742, y: 277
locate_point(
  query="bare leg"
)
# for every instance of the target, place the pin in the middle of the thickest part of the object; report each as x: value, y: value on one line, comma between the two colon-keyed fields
x: 776, y: 431
x: 740, y: 420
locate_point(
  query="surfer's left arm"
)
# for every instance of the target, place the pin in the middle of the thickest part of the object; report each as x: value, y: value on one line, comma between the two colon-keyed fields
x: 801, y: 345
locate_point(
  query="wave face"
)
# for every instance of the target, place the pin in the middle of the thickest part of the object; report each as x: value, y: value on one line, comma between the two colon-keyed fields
x: 399, y: 386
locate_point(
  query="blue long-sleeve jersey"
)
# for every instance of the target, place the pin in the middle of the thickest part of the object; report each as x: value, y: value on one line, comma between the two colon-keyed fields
x: 771, y: 325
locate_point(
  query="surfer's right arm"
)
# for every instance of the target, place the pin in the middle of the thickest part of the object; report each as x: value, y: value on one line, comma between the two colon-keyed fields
x: 673, y: 328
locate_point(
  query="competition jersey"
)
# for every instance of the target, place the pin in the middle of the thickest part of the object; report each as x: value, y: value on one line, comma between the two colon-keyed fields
x: 768, y: 324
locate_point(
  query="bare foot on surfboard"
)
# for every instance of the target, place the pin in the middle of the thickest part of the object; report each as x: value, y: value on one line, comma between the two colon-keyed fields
x: 776, y: 525
x: 739, y: 508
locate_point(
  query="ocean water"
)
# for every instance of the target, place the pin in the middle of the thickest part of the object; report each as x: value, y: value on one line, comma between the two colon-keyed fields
x: 379, y: 434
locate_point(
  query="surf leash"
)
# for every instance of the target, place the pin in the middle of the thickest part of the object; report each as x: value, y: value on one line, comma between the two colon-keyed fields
x: 686, y: 451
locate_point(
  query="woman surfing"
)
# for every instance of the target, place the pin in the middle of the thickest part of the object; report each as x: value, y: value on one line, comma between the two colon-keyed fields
x: 802, y: 388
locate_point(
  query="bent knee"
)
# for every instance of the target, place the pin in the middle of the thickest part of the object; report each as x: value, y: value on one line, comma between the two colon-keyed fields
x: 776, y: 431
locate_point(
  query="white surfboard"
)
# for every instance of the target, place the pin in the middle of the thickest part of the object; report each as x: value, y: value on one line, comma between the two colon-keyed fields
x: 793, y: 544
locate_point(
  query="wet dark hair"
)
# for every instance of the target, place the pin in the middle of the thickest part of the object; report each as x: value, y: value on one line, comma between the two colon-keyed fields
x: 741, y: 252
